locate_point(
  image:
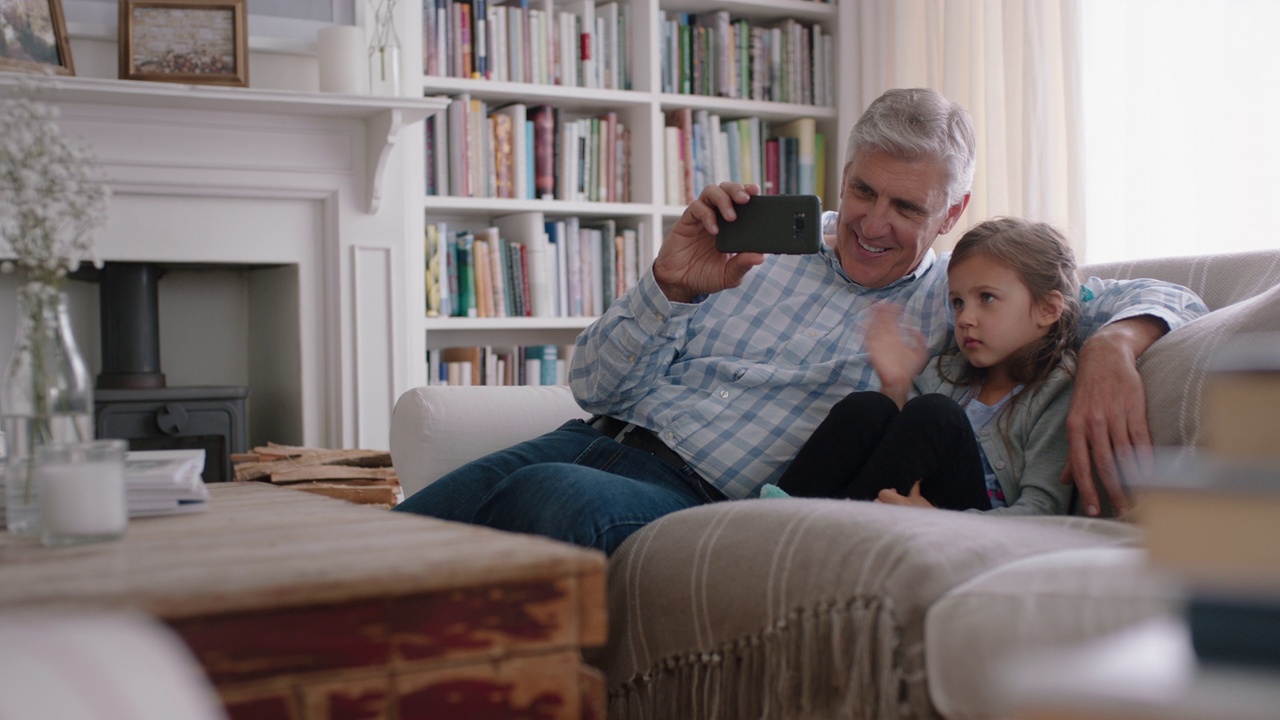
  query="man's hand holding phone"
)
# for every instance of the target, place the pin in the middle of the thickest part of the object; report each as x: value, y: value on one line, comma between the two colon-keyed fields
x: 689, y: 264
x: 783, y: 224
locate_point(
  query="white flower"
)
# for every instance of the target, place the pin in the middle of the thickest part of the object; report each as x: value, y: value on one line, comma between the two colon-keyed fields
x: 51, y: 199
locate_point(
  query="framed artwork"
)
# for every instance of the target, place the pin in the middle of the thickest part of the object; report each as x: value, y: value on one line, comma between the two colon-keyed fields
x: 33, y: 36
x: 184, y: 41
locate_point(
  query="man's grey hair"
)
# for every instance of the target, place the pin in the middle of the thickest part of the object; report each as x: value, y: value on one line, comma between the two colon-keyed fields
x: 919, y: 124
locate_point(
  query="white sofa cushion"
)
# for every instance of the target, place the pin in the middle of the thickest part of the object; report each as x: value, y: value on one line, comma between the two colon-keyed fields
x: 1048, y: 600
x: 89, y: 664
x: 436, y: 429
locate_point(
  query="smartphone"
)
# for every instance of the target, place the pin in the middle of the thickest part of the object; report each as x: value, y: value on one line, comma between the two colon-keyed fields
x: 784, y: 224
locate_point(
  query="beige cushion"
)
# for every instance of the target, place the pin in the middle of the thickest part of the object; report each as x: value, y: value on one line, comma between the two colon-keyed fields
x: 799, y: 608
x: 1044, y: 601
x: 1174, y: 369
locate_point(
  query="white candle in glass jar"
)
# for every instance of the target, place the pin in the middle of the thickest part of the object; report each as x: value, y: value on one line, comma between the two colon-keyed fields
x: 86, y: 498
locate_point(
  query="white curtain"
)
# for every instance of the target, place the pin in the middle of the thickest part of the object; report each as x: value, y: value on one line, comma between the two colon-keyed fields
x: 1182, y: 126
x: 1014, y: 64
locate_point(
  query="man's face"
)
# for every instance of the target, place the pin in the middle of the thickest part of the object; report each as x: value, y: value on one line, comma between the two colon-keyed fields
x: 891, y: 211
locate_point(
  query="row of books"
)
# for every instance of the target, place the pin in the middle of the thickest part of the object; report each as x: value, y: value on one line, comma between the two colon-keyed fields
x: 489, y: 365
x: 517, y: 151
x: 580, y: 45
x: 527, y: 266
x: 701, y: 148
x: 712, y: 54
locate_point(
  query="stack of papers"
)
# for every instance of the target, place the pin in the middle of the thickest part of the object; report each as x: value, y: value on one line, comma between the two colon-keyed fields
x: 165, y: 482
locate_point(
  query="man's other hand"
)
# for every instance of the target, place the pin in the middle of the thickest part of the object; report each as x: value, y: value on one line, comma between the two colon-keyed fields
x: 1107, y: 426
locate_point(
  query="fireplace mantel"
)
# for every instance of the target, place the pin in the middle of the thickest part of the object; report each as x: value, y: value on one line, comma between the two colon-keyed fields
x: 321, y: 191
x: 384, y: 117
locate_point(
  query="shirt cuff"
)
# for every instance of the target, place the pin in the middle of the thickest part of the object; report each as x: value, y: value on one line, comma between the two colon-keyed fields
x: 655, y: 313
x: 1171, y: 319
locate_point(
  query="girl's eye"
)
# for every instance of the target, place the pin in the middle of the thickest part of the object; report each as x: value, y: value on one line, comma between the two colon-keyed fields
x: 988, y: 298
x: 956, y: 303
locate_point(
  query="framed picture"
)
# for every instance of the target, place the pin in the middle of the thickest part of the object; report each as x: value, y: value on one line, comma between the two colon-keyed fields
x: 33, y: 36
x: 184, y: 41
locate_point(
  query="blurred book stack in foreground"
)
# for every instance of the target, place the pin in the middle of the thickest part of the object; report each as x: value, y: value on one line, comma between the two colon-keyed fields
x: 1213, y: 519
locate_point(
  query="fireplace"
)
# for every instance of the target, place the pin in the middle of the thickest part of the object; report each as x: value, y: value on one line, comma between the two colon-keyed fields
x: 282, y: 193
x: 132, y: 402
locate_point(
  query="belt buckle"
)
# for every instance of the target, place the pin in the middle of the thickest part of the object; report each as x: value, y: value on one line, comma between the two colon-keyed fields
x: 622, y: 434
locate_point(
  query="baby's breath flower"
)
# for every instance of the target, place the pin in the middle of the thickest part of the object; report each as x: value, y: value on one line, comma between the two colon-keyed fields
x: 51, y: 198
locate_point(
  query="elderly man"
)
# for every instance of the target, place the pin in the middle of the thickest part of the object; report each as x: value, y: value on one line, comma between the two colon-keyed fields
x: 708, y: 376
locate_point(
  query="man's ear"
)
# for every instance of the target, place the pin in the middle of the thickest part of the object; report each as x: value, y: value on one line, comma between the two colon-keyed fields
x: 953, y: 215
x: 1050, y: 309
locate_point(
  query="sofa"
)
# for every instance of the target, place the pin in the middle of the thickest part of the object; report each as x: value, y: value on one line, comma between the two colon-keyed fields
x: 804, y: 608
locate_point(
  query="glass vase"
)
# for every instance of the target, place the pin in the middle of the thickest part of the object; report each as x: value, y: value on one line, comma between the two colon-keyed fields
x: 47, y: 398
x: 384, y: 50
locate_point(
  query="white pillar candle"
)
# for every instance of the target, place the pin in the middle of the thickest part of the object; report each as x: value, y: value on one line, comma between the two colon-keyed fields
x: 82, y: 491
x: 343, y: 60
x: 83, y: 499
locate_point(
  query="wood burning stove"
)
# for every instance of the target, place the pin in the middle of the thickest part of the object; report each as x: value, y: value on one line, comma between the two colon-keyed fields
x: 131, y: 401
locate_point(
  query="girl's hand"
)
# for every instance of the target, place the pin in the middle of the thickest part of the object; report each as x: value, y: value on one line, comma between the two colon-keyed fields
x: 889, y: 496
x: 898, y: 354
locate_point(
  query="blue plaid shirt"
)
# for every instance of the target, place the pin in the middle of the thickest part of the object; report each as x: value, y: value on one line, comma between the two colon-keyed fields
x: 737, y: 382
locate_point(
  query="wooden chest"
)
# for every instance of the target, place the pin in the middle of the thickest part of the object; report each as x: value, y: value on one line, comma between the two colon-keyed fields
x: 304, y: 607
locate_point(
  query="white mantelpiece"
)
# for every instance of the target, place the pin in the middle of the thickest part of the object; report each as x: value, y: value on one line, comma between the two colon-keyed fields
x: 310, y: 187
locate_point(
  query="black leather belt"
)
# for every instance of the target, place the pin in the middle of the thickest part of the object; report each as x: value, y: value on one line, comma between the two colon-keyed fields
x: 638, y: 438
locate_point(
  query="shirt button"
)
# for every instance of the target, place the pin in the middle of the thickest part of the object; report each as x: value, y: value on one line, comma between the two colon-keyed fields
x: 668, y: 435
x: 999, y: 464
x: 812, y: 333
x: 984, y: 433
x: 662, y: 318
x: 724, y: 393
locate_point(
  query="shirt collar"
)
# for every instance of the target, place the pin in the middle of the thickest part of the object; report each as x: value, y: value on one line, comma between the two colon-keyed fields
x: 926, y: 264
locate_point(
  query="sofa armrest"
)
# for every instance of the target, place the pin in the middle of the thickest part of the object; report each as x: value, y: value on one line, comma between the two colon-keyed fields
x: 435, y: 429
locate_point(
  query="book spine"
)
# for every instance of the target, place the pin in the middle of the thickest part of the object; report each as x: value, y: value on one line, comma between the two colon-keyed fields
x: 466, y: 274
x: 431, y: 276
x: 544, y: 139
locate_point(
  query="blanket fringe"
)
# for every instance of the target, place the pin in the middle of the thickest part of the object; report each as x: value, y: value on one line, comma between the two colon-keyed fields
x: 830, y: 661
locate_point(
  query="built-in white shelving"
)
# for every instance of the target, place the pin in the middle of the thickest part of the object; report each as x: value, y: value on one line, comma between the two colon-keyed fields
x: 644, y: 108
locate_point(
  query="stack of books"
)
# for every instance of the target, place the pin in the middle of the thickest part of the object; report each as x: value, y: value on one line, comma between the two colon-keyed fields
x: 165, y: 482
x: 1213, y: 519
x: 1214, y: 523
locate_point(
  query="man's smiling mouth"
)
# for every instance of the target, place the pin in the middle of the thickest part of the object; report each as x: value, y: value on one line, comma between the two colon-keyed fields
x: 868, y: 248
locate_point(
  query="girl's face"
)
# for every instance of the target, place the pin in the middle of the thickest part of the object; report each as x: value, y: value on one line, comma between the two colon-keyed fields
x: 995, y: 314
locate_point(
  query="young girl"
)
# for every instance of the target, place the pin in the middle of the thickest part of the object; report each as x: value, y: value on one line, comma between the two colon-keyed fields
x: 986, y: 428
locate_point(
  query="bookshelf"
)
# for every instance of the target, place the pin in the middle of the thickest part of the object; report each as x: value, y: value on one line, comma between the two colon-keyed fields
x: 643, y: 107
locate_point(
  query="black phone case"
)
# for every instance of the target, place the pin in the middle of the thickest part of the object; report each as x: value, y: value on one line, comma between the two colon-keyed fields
x: 784, y: 224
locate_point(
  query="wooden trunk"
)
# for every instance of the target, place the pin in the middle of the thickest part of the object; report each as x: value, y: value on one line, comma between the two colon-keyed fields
x: 303, y: 607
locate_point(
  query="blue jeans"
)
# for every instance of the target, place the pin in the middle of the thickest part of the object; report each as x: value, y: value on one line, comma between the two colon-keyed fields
x: 572, y: 484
